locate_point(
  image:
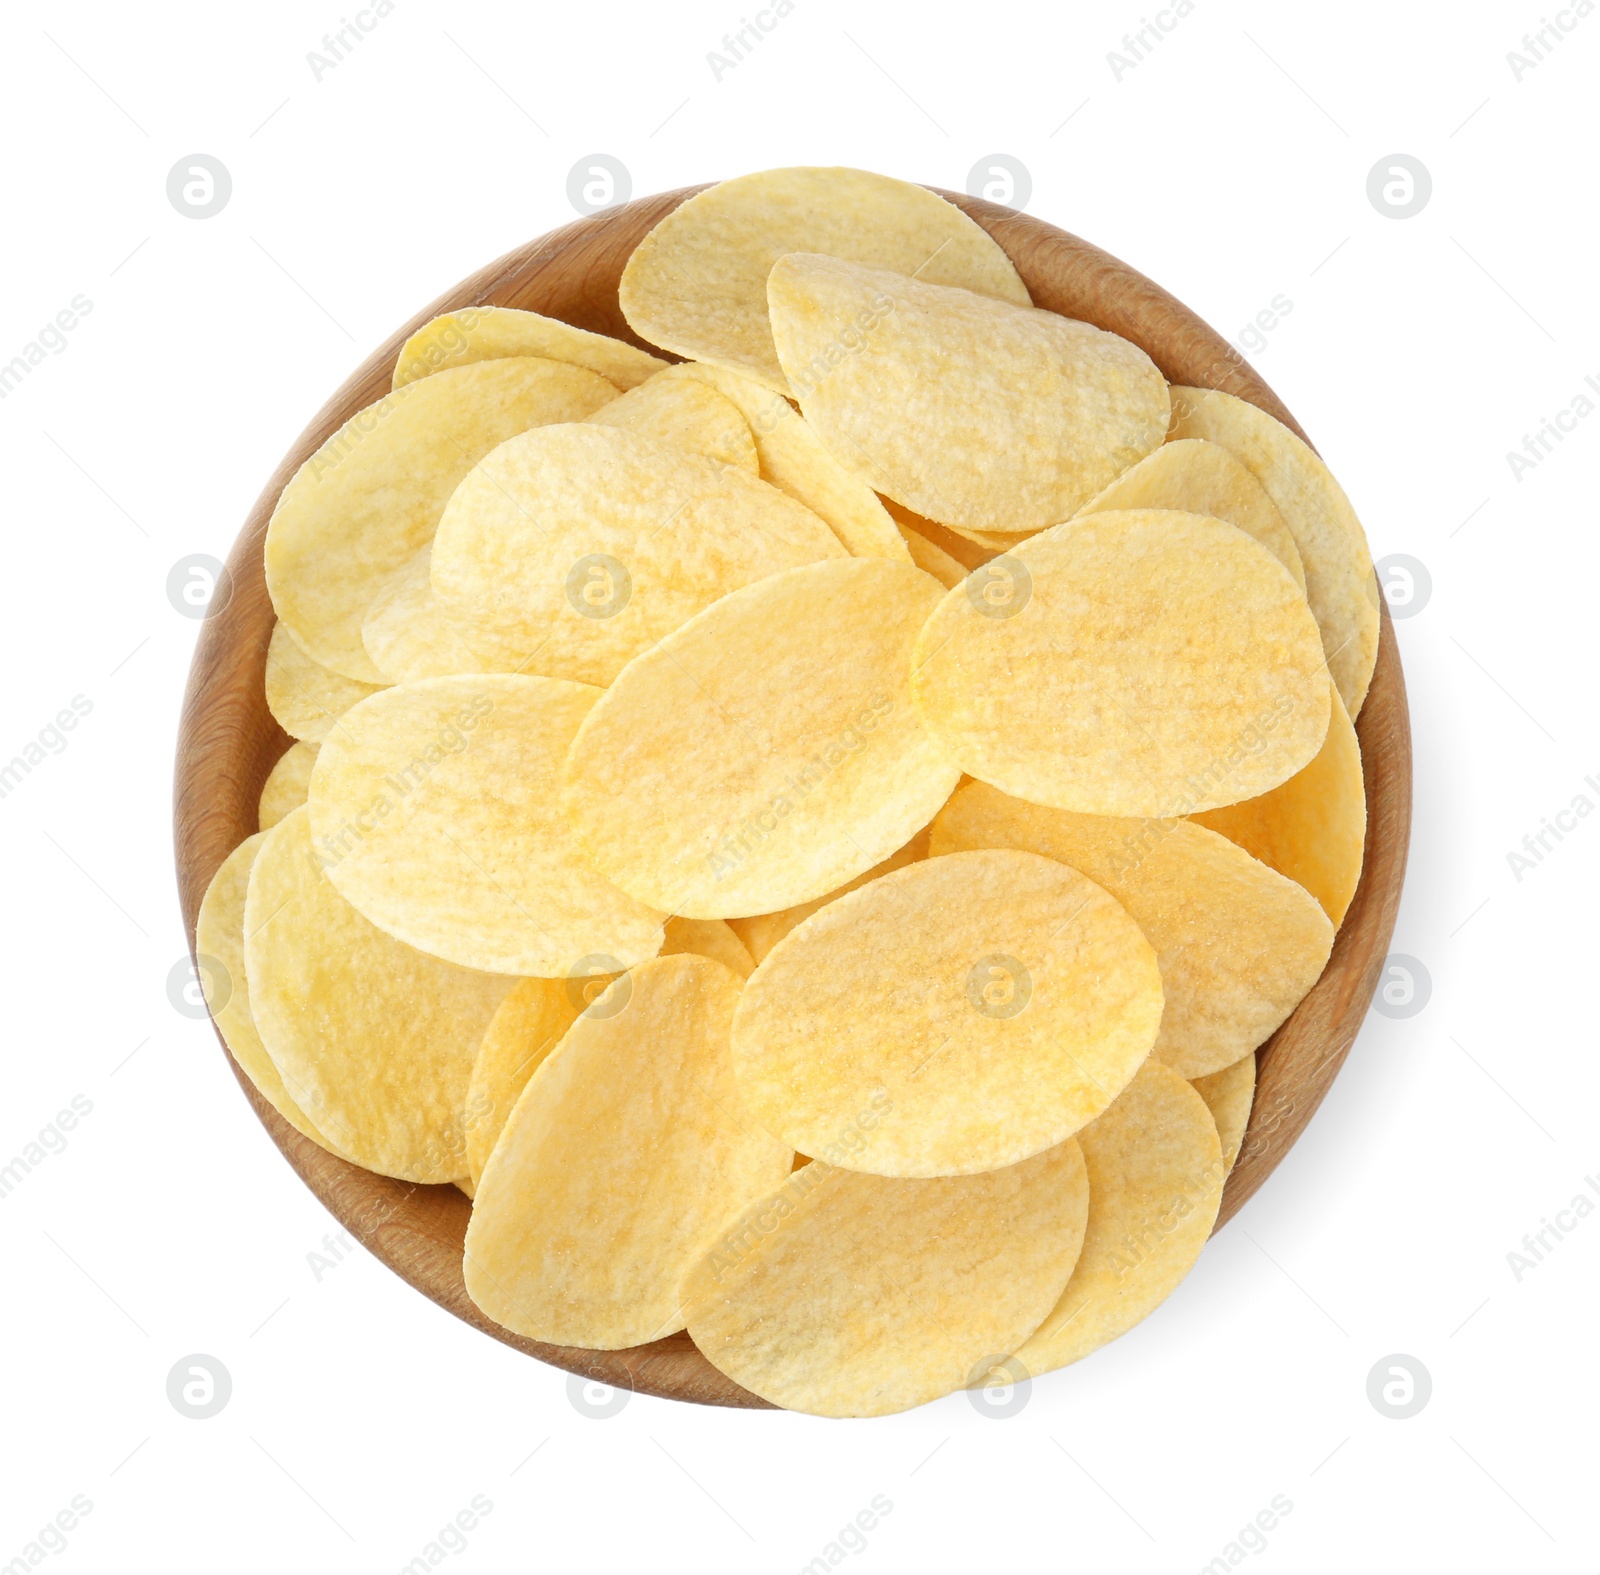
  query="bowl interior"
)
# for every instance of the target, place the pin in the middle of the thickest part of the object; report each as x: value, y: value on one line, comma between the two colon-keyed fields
x: 228, y: 741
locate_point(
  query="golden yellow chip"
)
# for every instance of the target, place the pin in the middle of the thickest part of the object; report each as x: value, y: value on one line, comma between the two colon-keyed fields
x: 1238, y: 944
x: 955, y: 1016
x: 1155, y: 1185
x: 794, y: 461
x: 1228, y: 1095
x: 571, y: 549
x: 994, y: 540
x: 406, y: 632
x: 766, y: 752
x: 1197, y: 477
x: 711, y: 938
x: 287, y: 784
x: 528, y: 1026
x: 1312, y: 828
x: 625, y: 1156
x: 219, y: 946
x: 496, y: 333
x: 969, y: 410
x: 762, y: 931
x: 932, y: 559
x: 687, y: 413
x: 1138, y: 663
x: 380, y: 1036
x: 363, y: 504
x: 851, y: 1295
x: 436, y: 809
x: 304, y: 697
x: 953, y: 544
x: 1340, y: 584
x: 697, y: 283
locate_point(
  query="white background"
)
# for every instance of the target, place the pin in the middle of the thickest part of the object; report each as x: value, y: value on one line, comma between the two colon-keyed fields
x: 1231, y: 165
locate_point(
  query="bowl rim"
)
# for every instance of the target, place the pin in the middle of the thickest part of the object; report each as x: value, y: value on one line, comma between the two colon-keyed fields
x: 227, y: 742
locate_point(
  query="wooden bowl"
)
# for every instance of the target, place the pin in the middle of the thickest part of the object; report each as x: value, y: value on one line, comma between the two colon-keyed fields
x: 228, y: 741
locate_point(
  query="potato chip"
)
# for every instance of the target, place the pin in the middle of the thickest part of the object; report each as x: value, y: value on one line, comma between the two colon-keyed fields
x: 496, y: 333
x: 304, y: 697
x: 219, y: 946
x: 711, y: 938
x: 794, y: 461
x: 405, y: 631
x: 766, y: 752
x: 1140, y: 663
x: 1155, y: 1185
x: 572, y: 549
x: 528, y: 1026
x: 968, y: 410
x: 955, y: 1016
x: 1312, y: 828
x: 686, y: 413
x: 994, y: 540
x: 626, y: 1155
x: 372, y: 494
x: 851, y: 1295
x: 1228, y: 1095
x: 761, y: 932
x: 697, y: 283
x: 1340, y: 584
x: 990, y: 541
x: 380, y: 1036
x: 1238, y: 945
x: 286, y: 785
x: 1197, y: 477
x: 436, y: 810
x: 932, y: 559
x: 954, y: 544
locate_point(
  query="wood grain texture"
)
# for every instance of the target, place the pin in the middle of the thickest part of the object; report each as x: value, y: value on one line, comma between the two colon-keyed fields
x: 228, y: 741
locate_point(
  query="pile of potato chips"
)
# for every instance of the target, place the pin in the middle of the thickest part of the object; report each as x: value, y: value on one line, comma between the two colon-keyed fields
x: 809, y: 836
